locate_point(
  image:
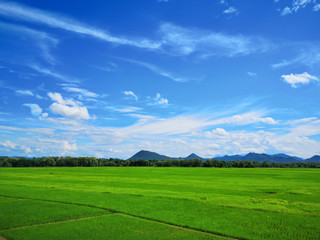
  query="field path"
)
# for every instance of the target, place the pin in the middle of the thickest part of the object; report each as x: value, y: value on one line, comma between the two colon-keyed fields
x: 115, y: 212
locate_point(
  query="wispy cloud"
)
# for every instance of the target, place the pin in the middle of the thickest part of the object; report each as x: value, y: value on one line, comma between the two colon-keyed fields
x: 83, y: 92
x: 124, y: 109
x: 299, y: 79
x: 158, y: 70
x: 21, y: 12
x: 185, y: 41
x: 43, y: 41
x: 50, y: 73
x: 305, y: 53
x: 24, y: 92
x: 130, y: 93
x: 47, y: 131
x: 252, y: 74
x: 172, y: 39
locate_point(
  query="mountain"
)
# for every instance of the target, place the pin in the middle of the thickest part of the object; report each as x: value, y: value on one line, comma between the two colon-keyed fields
x: 193, y: 156
x: 228, y: 158
x: 287, y: 156
x: 261, y: 157
x: 147, y: 155
x: 315, y: 158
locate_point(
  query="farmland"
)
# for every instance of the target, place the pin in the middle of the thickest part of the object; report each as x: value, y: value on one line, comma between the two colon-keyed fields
x: 159, y: 203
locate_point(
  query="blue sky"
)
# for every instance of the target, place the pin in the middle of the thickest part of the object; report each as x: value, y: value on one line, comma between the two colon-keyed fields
x: 109, y: 78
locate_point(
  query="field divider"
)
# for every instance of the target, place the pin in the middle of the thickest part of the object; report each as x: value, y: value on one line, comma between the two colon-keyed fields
x: 54, y: 222
x: 217, y: 234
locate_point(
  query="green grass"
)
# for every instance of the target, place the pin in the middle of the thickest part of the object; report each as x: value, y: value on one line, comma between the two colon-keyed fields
x: 240, y: 203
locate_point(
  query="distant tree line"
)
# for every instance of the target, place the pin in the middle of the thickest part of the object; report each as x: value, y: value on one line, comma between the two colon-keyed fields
x: 112, y: 162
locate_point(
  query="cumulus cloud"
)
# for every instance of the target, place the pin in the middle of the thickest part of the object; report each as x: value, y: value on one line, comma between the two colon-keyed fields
x: 158, y: 100
x: 298, y: 79
x: 10, y: 145
x: 35, y: 109
x: 130, y: 93
x: 69, y: 146
x: 68, y: 108
x: 316, y: 7
x: 216, y: 133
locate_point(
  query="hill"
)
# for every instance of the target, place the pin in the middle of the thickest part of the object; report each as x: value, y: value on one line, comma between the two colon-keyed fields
x: 193, y: 156
x: 147, y: 155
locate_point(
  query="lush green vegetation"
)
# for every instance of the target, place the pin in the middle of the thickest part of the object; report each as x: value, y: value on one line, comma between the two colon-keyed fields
x: 102, y: 162
x: 260, y: 203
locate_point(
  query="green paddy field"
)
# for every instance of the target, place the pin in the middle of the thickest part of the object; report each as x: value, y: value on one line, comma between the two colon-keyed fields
x: 159, y: 203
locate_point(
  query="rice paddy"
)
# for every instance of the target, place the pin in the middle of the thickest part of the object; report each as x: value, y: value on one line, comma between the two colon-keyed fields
x: 159, y: 203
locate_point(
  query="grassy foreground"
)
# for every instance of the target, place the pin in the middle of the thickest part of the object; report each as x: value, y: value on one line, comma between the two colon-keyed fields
x: 159, y: 203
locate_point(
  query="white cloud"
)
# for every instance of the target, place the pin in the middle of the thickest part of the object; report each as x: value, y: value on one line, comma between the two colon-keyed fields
x: 158, y: 70
x: 252, y: 74
x: 308, y: 55
x: 35, y: 109
x: 216, y: 133
x: 44, y: 115
x: 301, y: 121
x: 294, y: 79
x: 161, y: 100
x: 299, y: 4
x: 42, y: 40
x: 25, y: 13
x: 316, y: 7
x: 67, y: 108
x: 231, y: 10
x: 26, y: 149
x: 158, y: 100
x: 69, y: 147
x: 286, y: 11
x: 81, y: 91
x: 128, y: 109
x: 186, y: 41
x: 8, y: 144
x: 46, y: 131
x: 130, y: 93
x: 24, y: 92
x: 50, y: 73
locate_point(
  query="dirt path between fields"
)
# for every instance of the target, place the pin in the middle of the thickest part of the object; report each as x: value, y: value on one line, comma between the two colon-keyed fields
x: 121, y: 213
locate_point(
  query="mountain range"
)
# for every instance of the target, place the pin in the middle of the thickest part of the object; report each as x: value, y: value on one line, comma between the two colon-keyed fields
x: 260, y: 157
